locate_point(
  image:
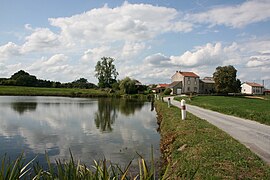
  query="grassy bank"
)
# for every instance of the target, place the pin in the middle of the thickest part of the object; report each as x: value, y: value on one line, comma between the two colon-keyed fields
x: 249, y: 108
x: 36, y: 91
x: 196, y: 149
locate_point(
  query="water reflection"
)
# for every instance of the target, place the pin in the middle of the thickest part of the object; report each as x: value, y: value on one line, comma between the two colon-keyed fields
x: 57, y: 124
x: 21, y: 107
x: 108, y: 109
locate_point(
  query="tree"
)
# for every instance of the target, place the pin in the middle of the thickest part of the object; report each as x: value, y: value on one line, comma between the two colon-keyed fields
x: 106, y: 72
x: 225, y: 80
x: 128, y: 86
x: 23, y: 78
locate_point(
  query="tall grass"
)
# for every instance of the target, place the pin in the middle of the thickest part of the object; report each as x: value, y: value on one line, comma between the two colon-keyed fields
x: 72, y: 169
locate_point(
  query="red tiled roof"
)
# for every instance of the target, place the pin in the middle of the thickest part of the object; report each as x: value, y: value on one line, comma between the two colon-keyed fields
x: 188, y: 74
x: 254, y: 84
x: 163, y: 85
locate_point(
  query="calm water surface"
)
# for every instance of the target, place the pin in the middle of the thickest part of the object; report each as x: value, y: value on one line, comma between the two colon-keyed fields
x: 90, y: 128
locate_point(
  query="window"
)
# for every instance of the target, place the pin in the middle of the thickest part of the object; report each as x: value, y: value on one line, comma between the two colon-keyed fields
x: 195, y: 89
x: 188, y: 81
x: 188, y: 88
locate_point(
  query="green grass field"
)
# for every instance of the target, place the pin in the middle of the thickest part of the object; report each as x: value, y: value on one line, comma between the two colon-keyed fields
x: 196, y: 149
x: 36, y: 91
x: 249, y: 108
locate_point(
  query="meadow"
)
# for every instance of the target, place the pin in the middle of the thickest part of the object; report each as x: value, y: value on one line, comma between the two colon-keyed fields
x: 257, y: 109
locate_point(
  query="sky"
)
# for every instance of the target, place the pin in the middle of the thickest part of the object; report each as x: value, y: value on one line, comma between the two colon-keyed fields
x: 62, y: 40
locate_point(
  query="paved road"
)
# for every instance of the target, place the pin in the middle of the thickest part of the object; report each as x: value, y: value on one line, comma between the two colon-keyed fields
x: 252, y: 134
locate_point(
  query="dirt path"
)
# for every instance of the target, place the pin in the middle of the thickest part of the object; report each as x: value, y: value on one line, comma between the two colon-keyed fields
x: 253, y: 135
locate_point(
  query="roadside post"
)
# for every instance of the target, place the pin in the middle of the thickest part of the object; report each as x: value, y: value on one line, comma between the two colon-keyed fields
x: 169, y: 102
x: 183, y: 109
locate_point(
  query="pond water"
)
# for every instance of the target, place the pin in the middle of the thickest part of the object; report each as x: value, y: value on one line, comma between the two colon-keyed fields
x: 92, y: 128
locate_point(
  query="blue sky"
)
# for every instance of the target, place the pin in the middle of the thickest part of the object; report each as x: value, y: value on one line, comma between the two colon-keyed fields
x: 62, y: 40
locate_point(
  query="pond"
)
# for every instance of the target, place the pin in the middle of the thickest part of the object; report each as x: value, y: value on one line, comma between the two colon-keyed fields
x: 92, y: 128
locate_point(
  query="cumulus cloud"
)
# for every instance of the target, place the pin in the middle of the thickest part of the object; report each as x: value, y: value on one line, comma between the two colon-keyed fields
x: 259, y: 61
x: 209, y: 54
x: 236, y: 16
x: 129, y: 22
x: 49, y: 68
x: 41, y: 39
x: 8, y: 50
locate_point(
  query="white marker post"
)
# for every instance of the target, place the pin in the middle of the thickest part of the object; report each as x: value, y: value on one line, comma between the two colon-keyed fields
x: 183, y: 109
x: 169, y: 102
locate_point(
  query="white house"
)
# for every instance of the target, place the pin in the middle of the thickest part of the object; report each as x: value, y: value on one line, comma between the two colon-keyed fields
x: 252, y: 88
x: 187, y: 82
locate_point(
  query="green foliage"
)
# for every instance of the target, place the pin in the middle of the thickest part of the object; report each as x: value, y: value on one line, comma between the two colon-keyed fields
x: 167, y: 91
x: 101, y: 170
x: 22, y: 78
x: 106, y: 72
x: 196, y: 149
x: 225, y: 80
x: 128, y: 86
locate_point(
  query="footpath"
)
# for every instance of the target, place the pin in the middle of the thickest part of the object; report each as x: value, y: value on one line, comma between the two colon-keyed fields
x: 252, y: 134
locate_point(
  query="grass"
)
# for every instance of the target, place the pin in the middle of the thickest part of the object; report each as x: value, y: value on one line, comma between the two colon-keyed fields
x: 249, y: 108
x: 195, y: 149
x: 36, y: 91
x: 71, y: 169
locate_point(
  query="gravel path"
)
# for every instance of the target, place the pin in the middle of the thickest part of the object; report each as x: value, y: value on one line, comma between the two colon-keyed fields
x: 253, y: 135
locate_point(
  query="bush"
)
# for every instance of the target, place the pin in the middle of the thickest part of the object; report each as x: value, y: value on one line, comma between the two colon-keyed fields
x: 167, y: 91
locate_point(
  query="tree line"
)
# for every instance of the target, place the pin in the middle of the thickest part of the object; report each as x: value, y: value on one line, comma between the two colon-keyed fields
x: 22, y: 78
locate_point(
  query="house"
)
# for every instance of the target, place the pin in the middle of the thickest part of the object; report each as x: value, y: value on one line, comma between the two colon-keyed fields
x: 160, y: 88
x: 207, y: 85
x: 267, y: 92
x: 189, y: 82
x: 252, y: 88
x: 176, y: 87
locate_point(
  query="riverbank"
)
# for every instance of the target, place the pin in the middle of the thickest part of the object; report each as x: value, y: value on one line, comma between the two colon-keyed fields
x: 37, y: 91
x: 66, y: 92
x: 244, y: 107
x: 196, y: 149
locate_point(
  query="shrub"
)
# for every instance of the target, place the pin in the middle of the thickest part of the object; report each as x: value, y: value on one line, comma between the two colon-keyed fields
x: 167, y: 91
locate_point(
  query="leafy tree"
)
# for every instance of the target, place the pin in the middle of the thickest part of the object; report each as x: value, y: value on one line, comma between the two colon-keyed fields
x: 23, y: 78
x: 106, y: 72
x: 225, y: 80
x: 128, y: 86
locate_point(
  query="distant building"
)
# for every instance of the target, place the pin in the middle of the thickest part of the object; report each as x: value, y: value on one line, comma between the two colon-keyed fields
x: 185, y: 82
x: 252, y: 88
x: 267, y: 92
x: 160, y: 88
x: 207, y: 85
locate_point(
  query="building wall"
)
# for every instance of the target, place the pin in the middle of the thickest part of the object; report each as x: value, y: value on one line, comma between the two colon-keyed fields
x: 177, y: 77
x: 247, y: 89
x: 206, y: 88
x: 191, y: 84
x: 178, y: 86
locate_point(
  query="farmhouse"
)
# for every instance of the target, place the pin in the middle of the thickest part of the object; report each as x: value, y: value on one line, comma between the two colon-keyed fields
x: 252, y: 88
x: 184, y: 82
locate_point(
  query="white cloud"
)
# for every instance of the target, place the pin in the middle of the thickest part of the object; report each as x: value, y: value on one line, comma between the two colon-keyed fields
x: 40, y: 40
x: 131, y: 49
x: 236, y: 16
x: 8, y: 50
x: 129, y: 22
x: 209, y: 54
